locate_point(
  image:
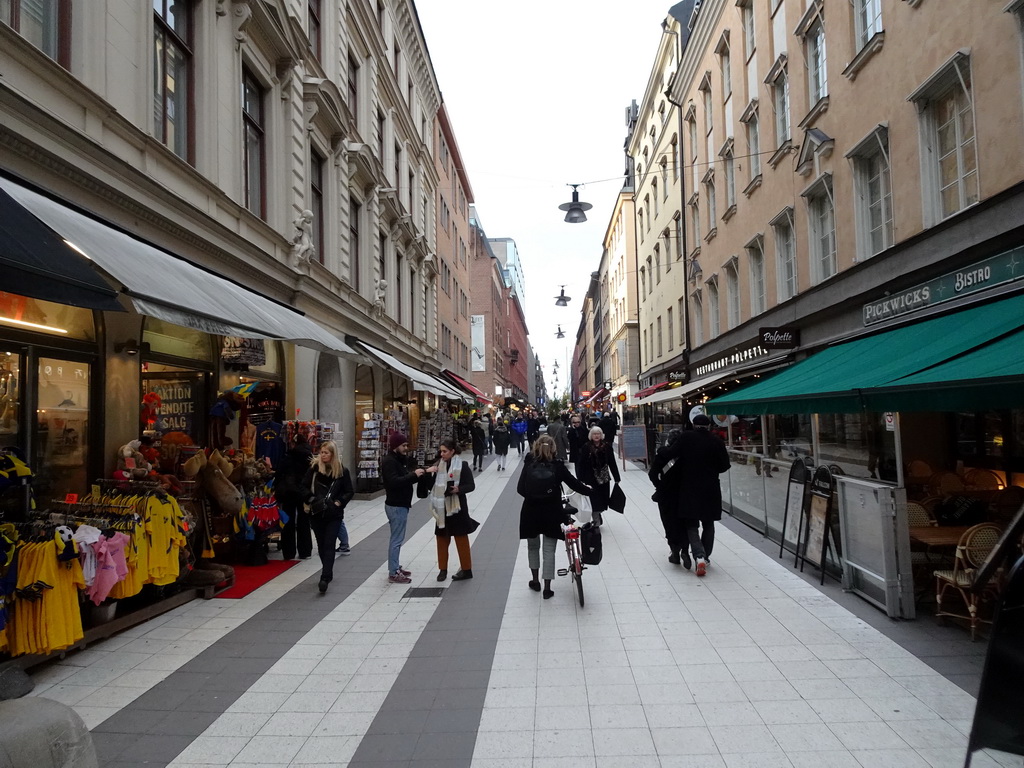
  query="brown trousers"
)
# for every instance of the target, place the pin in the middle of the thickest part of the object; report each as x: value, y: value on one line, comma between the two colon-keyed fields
x: 461, y: 545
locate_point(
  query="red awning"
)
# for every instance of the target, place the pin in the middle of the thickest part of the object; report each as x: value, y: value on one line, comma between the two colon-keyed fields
x: 652, y: 389
x: 600, y: 394
x: 480, y: 396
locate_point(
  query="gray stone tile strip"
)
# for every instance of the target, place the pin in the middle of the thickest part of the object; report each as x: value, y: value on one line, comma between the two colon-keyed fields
x: 161, y: 723
x: 444, y: 681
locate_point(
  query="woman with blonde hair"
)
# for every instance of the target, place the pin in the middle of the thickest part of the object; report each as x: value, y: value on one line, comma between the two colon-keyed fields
x: 329, y: 490
x: 542, y: 514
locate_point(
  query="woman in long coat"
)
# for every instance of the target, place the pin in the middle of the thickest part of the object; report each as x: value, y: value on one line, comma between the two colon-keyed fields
x: 479, y: 434
x: 544, y: 517
x: 452, y: 480
x: 595, y: 466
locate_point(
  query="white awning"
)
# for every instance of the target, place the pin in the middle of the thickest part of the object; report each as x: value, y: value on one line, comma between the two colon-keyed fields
x: 420, y: 379
x: 169, y: 288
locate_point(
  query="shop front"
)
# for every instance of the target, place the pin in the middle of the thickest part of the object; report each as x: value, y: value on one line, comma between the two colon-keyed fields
x: 920, y: 422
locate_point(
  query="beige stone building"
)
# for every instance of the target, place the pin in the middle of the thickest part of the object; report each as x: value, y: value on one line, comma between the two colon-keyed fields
x: 278, y: 152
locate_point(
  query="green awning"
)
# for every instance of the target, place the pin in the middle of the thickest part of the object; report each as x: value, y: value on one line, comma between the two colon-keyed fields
x: 945, y: 363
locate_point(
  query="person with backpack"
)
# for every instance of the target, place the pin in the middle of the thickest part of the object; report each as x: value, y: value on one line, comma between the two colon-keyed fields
x: 542, y: 513
x: 502, y: 436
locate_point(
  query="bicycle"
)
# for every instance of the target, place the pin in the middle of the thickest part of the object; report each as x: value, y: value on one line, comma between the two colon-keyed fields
x: 574, y: 551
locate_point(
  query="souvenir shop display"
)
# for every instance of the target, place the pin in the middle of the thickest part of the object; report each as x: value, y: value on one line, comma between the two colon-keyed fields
x: 372, y: 445
x: 107, y: 547
x: 432, y: 430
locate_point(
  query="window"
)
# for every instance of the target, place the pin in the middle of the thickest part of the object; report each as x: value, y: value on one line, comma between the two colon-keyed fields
x: 709, y: 121
x: 670, y: 328
x: 657, y: 265
x: 355, y: 211
x: 753, y: 143
x: 817, y: 74
x: 645, y: 344
x: 382, y: 266
x: 381, y: 134
x: 725, y: 62
x: 313, y: 27
x: 714, y: 321
x: 729, y: 166
x: 822, y: 221
x: 398, y: 170
x: 749, y: 34
x: 647, y: 212
x: 44, y: 23
x: 253, y: 145
x: 679, y: 236
x: 666, y: 236
x: 640, y: 228
x: 709, y: 191
x: 785, y: 251
x: 353, y: 93
x: 867, y: 16
x: 872, y: 194
x: 681, y: 314
x: 664, y: 176
x: 780, y: 102
x: 677, y: 161
x: 695, y: 223
x: 172, y: 73
x: 755, y: 255
x: 732, y: 294
x: 316, y: 201
x: 399, y: 269
x: 691, y: 126
x: 643, y: 282
x: 698, y: 319
x: 950, y: 143
x: 661, y: 351
x: 654, y: 194
x: 650, y: 350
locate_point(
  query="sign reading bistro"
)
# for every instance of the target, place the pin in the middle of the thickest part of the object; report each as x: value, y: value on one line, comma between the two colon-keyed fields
x: 1002, y: 268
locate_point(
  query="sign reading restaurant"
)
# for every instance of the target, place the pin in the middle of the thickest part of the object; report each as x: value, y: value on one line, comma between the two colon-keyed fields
x: 1002, y: 268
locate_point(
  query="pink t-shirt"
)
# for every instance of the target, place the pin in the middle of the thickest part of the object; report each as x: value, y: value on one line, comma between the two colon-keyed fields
x: 110, y: 566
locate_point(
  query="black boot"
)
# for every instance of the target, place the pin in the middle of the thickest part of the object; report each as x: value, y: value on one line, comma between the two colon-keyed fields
x: 462, y: 575
x: 442, y: 575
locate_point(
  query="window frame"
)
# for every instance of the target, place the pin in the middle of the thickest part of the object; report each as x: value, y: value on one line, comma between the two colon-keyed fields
x: 254, y: 126
x: 171, y: 40
x: 865, y: 27
x: 863, y: 157
x: 317, y: 201
x: 61, y: 35
x: 758, y: 286
x: 821, y: 229
x: 787, y: 274
x: 714, y: 308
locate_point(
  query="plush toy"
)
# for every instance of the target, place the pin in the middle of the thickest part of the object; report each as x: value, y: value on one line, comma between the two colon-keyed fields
x: 221, y: 414
x: 131, y: 464
x: 151, y: 403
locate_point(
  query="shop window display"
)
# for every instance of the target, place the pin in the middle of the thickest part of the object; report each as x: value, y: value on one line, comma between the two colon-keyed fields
x: 38, y: 316
x: 61, y: 445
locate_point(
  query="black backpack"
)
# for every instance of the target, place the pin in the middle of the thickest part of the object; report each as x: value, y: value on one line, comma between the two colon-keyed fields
x: 590, y: 543
x: 541, y: 481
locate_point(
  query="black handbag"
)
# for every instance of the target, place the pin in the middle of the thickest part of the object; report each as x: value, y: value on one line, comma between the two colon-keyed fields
x: 617, y: 499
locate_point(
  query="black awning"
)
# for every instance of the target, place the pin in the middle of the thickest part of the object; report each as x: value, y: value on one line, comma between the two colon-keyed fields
x: 38, y: 263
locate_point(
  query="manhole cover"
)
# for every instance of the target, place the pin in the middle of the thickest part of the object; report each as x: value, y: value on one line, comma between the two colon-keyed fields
x: 423, y: 592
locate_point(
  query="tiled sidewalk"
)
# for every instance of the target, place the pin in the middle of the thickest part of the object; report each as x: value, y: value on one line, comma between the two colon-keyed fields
x: 750, y: 666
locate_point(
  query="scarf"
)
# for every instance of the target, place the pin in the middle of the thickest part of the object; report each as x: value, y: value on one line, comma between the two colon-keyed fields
x: 442, y: 506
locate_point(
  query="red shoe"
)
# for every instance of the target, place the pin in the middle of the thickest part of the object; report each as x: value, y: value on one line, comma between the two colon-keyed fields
x: 404, y: 572
x: 399, y: 578
x: 702, y: 567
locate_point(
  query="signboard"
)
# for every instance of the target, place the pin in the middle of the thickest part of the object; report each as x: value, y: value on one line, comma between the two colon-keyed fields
x: 816, y: 527
x: 478, y: 339
x: 1001, y: 268
x: 178, y: 401
x: 784, y: 337
x: 676, y: 376
x: 633, y: 442
x: 796, y: 489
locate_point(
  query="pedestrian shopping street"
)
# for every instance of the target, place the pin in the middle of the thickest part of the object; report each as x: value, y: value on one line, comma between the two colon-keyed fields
x: 752, y: 666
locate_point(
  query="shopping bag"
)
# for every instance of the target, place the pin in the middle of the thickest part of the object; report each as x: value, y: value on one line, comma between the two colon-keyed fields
x: 617, y: 499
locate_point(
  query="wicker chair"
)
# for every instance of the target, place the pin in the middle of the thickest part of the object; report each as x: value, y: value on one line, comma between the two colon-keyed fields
x: 975, y: 545
x: 917, y: 514
x: 984, y: 479
x: 946, y: 483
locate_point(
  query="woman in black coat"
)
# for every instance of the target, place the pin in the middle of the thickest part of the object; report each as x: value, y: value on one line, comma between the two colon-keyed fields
x: 479, y: 444
x: 544, y: 517
x: 576, y: 434
x: 330, y: 490
x: 596, y: 467
x: 501, y: 438
x: 450, y: 480
x: 666, y: 474
x: 291, y: 492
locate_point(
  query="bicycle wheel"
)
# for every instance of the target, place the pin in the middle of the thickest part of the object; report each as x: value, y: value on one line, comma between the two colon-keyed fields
x: 577, y: 572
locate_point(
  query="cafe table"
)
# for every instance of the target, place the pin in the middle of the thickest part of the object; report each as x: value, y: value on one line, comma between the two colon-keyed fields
x: 938, y: 535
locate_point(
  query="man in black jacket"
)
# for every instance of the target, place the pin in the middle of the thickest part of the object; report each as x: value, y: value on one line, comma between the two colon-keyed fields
x: 400, y: 477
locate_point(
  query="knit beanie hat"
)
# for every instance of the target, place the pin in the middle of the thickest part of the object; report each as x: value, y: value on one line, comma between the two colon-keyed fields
x: 397, y: 439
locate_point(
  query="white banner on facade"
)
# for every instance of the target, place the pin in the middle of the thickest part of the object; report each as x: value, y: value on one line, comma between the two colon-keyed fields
x: 479, y: 340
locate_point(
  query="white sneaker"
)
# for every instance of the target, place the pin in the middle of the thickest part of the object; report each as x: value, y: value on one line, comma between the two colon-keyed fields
x: 702, y: 566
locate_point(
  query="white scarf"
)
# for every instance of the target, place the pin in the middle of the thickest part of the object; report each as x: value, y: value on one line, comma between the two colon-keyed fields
x: 442, y: 506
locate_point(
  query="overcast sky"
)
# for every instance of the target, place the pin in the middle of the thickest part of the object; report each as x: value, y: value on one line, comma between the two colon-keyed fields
x: 537, y: 93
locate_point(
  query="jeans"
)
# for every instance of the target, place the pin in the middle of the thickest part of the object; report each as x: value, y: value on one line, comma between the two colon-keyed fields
x: 397, y: 519
x: 343, y: 536
x: 533, y: 550
x: 326, y: 531
x: 701, y: 541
